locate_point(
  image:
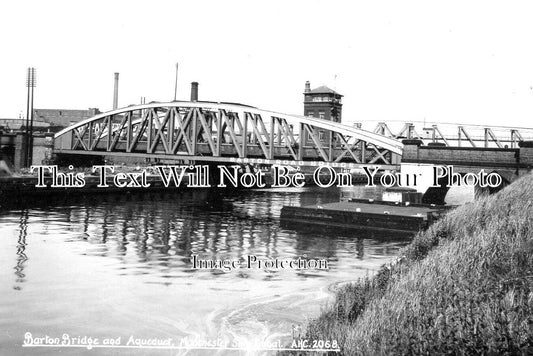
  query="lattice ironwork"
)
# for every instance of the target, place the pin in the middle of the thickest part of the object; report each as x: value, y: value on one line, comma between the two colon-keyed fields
x: 467, y: 135
x: 219, y: 132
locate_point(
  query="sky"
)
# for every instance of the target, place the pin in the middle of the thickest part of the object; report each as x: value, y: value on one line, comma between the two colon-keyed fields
x: 467, y: 62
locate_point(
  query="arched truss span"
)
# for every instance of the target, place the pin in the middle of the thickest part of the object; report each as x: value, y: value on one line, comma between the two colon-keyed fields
x: 221, y: 132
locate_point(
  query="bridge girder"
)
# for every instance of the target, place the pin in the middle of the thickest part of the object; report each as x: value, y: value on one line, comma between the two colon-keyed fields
x: 457, y: 135
x: 212, y: 131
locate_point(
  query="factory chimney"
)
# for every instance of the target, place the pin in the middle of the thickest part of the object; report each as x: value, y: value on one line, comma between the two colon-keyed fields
x: 115, y: 93
x: 194, y: 91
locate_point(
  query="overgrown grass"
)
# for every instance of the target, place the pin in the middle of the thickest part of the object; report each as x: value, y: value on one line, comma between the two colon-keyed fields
x: 464, y: 286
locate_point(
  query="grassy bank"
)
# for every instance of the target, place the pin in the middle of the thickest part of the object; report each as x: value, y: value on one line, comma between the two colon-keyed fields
x: 464, y: 286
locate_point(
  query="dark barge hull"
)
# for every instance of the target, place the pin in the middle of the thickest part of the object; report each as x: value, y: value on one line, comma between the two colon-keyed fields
x: 363, y: 214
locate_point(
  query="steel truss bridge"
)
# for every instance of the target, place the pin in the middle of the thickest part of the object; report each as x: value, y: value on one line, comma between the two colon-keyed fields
x: 225, y: 133
x: 455, y: 135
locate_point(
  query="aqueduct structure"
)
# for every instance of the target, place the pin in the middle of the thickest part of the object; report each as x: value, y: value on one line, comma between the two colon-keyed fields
x: 224, y: 132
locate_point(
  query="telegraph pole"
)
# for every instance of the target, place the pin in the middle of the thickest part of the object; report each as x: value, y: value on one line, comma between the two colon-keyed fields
x: 27, y: 124
x: 31, y: 82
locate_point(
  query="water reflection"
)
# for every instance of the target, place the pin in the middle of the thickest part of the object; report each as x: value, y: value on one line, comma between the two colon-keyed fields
x: 21, y: 248
x: 164, y: 230
x: 87, y: 259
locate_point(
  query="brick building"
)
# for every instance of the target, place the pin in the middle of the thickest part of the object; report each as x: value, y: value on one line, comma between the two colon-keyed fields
x: 10, y: 125
x: 63, y: 117
x: 323, y: 103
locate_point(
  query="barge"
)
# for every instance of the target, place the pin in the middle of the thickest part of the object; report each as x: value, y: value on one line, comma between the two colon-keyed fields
x: 366, y: 213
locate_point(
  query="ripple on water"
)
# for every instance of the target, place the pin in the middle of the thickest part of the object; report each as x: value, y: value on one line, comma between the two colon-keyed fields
x: 119, y: 266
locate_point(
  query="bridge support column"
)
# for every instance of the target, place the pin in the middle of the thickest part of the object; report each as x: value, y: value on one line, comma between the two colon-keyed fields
x: 526, y: 154
x: 21, y: 152
x: 411, y: 149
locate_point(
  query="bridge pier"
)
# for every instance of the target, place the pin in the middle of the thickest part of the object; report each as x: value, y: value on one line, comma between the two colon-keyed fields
x: 526, y: 153
x: 21, y: 152
x: 508, y: 163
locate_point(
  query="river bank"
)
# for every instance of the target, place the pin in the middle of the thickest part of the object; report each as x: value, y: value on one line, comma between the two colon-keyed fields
x: 464, y: 286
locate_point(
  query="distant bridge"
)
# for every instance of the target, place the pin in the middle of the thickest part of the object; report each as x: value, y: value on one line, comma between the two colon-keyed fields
x: 458, y: 135
x: 225, y: 132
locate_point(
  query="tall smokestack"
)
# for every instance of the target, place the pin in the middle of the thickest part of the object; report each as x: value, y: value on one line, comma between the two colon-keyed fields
x: 115, y: 93
x: 194, y: 91
x: 307, y: 87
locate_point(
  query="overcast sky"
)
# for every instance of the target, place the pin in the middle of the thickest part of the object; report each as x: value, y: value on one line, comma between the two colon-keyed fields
x: 446, y: 61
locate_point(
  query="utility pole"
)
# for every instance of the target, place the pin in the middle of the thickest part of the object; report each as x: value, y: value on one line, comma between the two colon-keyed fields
x: 176, y: 82
x: 31, y: 82
x: 115, y: 92
x: 27, y: 124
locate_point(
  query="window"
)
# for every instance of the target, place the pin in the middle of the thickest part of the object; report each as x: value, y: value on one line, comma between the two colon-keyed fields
x: 310, y: 113
x: 321, y: 136
x: 322, y: 115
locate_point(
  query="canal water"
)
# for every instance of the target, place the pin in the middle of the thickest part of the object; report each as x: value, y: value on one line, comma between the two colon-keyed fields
x: 117, y: 268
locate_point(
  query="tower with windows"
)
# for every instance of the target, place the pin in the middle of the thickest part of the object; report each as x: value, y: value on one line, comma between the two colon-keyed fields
x: 323, y: 103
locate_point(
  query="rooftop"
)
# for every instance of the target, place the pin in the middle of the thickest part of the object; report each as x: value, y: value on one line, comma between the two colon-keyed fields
x: 323, y: 90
